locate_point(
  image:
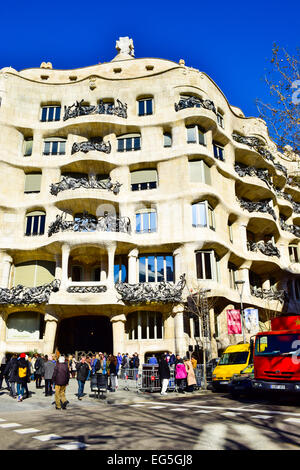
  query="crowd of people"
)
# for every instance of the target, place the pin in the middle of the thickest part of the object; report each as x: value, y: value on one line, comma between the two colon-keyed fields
x: 56, y: 370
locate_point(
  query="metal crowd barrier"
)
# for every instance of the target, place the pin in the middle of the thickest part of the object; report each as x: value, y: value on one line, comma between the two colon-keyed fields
x: 128, y: 379
x: 98, y: 384
x: 150, y: 381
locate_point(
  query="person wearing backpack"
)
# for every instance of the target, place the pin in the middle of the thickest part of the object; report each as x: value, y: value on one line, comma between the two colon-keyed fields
x: 23, y: 377
x: 11, y: 373
x: 83, y: 369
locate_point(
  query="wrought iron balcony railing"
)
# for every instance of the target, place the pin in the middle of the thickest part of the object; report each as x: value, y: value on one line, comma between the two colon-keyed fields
x: 86, y: 289
x: 267, y: 248
x: 78, y: 109
x: 194, y: 102
x: 262, y: 173
x: 92, y: 144
x: 269, y: 294
x: 260, y: 206
x: 294, y: 229
x: 21, y: 295
x: 68, y: 182
x: 146, y: 292
x: 90, y: 223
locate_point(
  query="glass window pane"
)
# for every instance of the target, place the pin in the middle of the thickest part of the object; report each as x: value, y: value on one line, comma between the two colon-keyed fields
x: 137, y: 143
x: 142, y: 269
x: 123, y: 273
x: 151, y: 269
x: 194, y: 214
x: 47, y: 148
x: 141, y: 107
x: 50, y: 114
x: 159, y: 325
x: 207, y: 262
x: 44, y: 114
x: 149, y: 106
x: 201, y: 137
x: 120, y: 145
x: 170, y: 268
x: 152, y: 221
x: 62, y: 148
x: 160, y: 269
x: 57, y: 113
x: 144, y: 324
x: 167, y: 140
x: 28, y: 225
x: 199, y: 265
x: 42, y: 224
x: 191, y: 135
x: 138, y: 222
x: 146, y: 222
x: 128, y: 144
x: 202, y: 217
x: 116, y: 273
x: 35, y: 225
x: 54, y: 148
x: 151, y: 323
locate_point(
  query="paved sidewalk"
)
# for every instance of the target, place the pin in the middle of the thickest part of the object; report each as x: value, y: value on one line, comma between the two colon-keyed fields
x: 38, y: 400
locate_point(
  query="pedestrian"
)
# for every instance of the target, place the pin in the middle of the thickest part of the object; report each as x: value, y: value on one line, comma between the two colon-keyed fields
x: 60, y: 378
x: 191, y: 379
x: 11, y: 374
x: 172, y: 359
x: 72, y: 366
x: 152, y: 360
x: 164, y: 374
x: 119, y: 363
x: 180, y: 375
x: 2, y: 375
x: 49, y: 366
x: 39, y: 371
x: 113, y: 372
x: 83, y: 369
x: 23, y: 377
x: 194, y: 362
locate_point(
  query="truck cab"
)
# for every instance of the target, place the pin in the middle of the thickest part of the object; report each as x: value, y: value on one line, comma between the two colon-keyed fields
x: 233, y: 360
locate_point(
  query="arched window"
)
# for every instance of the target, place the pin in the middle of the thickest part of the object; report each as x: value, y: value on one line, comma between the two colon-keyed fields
x: 146, y: 221
x: 35, y: 223
x: 294, y: 253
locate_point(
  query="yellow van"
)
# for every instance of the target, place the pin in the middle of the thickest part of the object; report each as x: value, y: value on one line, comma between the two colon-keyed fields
x: 233, y: 360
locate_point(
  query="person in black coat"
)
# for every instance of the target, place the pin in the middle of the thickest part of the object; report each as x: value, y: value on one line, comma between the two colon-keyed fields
x: 23, y: 377
x: 164, y: 374
x: 11, y: 373
x: 60, y: 378
x: 39, y: 371
x: 83, y: 369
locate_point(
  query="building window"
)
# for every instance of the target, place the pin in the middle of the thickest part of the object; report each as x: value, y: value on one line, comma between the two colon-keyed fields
x: 129, y: 143
x: 232, y: 275
x: 144, y: 325
x: 207, y: 265
x: 195, y: 135
x: 220, y: 119
x: 77, y: 273
x: 218, y: 151
x: 28, y: 143
x: 50, y: 113
x: 54, y: 146
x: 32, y: 183
x: 255, y: 281
x: 203, y: 215
x: 146, y: 221
x: 230, y: 232
x: 293, y: 254
x: 120, y: 269
x: 156, y: 268
x: 167, y: 139
x: 145, y: 107
x: 199, y: 172
x: 35, y: 223
x: 143, y: 179
x: 34, y: 273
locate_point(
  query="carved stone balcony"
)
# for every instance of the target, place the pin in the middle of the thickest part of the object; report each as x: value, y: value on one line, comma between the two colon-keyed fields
x: 269, y: 294
x: 267, y: 248
x: 194, y: 102
x: 68, y: 182
x: 21, y: 295
x: 147, y: 292
x: 294, y: 229
x: 78, y: 109
x: 90, y: 223
x: 261, y: 173
x: 95, y: 144
x: 260, y: 206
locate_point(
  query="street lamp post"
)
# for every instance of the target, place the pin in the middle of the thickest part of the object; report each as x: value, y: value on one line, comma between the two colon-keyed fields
x: 240, y: 288
x: 205, y: 328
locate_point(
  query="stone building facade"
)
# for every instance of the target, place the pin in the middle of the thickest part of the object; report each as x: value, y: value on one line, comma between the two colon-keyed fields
x: 127, y: 187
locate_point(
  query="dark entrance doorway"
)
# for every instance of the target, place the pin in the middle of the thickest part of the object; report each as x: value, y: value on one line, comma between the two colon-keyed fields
x: 85, y: 333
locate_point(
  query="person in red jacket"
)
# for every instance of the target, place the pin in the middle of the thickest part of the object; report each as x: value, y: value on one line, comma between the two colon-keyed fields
x: 61, y: 380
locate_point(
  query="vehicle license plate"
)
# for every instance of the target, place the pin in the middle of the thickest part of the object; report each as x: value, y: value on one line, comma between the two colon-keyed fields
x: 278, y: 387
x: 223, y: 382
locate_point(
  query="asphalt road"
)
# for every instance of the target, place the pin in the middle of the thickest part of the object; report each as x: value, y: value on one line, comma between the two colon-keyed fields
x: 207, y: 422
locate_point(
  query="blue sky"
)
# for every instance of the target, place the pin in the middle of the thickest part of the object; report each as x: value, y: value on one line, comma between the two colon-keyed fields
x: 230, y: 41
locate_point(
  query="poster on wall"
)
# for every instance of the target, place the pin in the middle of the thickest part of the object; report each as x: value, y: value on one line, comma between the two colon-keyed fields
x: 234, y: 323
x: 251, y: 320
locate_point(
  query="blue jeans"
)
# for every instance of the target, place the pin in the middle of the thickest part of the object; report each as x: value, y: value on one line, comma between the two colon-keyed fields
x: 22, y: 389
x: 80, y: 387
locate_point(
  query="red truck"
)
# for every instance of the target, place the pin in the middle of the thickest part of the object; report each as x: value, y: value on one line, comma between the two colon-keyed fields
x: 277, y: 356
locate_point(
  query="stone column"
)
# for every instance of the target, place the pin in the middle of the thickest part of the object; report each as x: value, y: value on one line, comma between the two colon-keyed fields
x: 64, y: 265
x: 6, y: 267
x: 132, y: 268
x: 180, y: 347
x: 111, y: 262
x: 3, y: 321
x: 50, y: 332
x: 58, y: 267
x: 118, y: 329
x: 177, y: 264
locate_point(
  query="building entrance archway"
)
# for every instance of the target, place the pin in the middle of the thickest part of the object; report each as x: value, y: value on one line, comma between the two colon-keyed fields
x: 85, y: 333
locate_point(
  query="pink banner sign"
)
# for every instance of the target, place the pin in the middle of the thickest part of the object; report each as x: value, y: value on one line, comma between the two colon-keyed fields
x: 234, y: 323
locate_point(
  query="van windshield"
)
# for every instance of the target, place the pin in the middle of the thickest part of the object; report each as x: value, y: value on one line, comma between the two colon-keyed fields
x: 274, y: 345
x: 234, y: 358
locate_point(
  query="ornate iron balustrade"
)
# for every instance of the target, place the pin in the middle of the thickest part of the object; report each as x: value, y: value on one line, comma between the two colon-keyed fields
x: 269, y: 294
x: 284, y: 195
x: 90, y: 223
x: 294, y: 229
x: 258, y: 146
x: 296, y: 206
x: 266, y: 248
x: 86, y: 289
x: 260, y: 206
x: 146, y: 292
x: 78, y: 109
x: 93, y: 144
x: 261, y: 173
x: 68, y: 182
x: 194, y: 102
x: 21, y: 295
